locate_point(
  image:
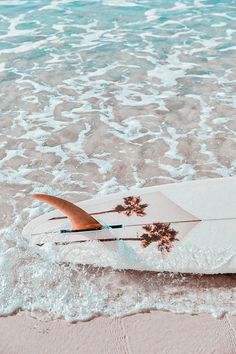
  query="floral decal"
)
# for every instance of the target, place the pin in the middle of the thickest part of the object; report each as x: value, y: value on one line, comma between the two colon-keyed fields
x: 132, y: 205
x: 161, y: 233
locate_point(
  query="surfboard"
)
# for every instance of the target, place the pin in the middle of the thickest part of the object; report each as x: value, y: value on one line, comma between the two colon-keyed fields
x: 185, y: 227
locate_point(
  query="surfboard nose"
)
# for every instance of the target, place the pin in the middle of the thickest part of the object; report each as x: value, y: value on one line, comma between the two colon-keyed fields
x: 79, y: 218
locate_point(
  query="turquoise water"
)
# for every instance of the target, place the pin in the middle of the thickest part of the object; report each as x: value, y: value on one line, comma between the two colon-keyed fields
x: 96, y: 97
x: 158, y: 42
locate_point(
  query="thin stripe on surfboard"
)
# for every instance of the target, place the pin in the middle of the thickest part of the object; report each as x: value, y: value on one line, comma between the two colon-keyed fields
x: 134, y: 225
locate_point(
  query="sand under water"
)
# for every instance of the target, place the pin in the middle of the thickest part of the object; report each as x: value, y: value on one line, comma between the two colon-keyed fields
x: 96, y: 97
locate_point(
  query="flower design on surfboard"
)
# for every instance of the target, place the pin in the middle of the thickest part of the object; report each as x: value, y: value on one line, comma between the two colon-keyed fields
x: 161, y: 233
x: 132, y: 205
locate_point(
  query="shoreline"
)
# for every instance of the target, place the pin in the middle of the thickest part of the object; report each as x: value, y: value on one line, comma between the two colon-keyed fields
x: 101, y: 97
x: 154, y: 332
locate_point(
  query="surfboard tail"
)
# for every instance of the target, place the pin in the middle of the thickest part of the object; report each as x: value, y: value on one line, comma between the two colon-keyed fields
x: 79, y: 218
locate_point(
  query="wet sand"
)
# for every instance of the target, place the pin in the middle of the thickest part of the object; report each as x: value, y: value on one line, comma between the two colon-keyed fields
x: 155, y: 332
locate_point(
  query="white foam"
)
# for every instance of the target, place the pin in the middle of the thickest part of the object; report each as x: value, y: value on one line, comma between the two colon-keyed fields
x: 24, y: 47
x: 151, y: 15
x: 167, y: 76
x: 123, y: 3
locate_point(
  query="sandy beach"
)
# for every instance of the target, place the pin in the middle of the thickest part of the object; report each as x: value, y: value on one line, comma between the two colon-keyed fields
x: 155, y: 332
x: 97, y: 97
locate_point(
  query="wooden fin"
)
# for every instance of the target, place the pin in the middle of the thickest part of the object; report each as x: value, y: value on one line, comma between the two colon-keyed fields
x: 79, y: 218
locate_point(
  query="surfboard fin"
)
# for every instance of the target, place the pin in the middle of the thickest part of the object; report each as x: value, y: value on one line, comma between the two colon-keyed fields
x: 79, y: 218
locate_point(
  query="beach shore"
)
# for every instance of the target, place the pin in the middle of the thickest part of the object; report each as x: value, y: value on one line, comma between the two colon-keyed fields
x: 98, y: 97
x: 154, y: 332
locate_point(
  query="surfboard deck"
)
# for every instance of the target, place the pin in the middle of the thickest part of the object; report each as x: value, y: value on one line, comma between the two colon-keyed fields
x: 181, y: 227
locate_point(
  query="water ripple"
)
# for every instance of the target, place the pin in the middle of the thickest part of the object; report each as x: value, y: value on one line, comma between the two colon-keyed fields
x: 98, y: 96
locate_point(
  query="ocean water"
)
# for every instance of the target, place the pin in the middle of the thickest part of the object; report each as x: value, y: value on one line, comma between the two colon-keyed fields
x: 96, y: 97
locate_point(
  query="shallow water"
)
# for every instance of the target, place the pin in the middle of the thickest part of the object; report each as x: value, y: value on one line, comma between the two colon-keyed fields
x: 96, y: 97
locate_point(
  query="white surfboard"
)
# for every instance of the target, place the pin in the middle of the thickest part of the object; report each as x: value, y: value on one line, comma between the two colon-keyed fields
x: 182, y: 227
